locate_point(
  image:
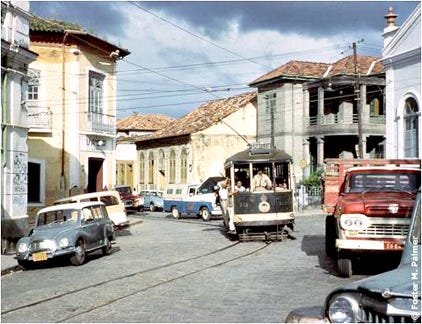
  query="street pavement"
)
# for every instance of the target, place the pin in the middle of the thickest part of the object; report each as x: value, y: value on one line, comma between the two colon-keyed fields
x: 9, y: 263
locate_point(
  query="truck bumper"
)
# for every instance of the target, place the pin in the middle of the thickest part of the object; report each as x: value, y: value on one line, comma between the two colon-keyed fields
x: 380, y: 245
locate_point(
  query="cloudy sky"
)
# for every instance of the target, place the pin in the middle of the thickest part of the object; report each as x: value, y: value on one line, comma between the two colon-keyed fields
x: 186, y: 53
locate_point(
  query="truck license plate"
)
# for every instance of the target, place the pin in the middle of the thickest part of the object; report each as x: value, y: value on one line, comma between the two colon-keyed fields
x: 393, y: 246
x: 39, y: 256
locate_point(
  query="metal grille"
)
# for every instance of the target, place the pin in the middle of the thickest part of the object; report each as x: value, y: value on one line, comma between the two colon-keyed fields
x: 371, y: 316
x: 385, y: 230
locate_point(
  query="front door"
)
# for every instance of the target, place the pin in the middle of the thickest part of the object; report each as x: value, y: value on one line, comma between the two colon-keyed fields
x: 95, y: 174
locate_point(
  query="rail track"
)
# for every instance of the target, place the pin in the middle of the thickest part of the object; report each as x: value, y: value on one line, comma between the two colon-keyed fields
x: 130, y: 284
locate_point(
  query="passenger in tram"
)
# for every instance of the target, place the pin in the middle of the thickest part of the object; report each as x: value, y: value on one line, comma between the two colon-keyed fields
x: 239, y: 187
x: 261, y: 182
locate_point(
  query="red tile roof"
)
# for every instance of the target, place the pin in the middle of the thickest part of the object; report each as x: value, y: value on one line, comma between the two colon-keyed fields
x: 312, y: 70
x: 144, y: 122
x: 203, y: 117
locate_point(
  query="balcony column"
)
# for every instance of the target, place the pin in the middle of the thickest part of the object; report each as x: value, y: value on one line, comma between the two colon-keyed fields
x: 306, y: 121
x: 364, y: 154
x: 320, y: 150
x: 320, y: 104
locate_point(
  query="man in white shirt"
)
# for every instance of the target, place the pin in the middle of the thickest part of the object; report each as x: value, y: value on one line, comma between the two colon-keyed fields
x: 261, y: 182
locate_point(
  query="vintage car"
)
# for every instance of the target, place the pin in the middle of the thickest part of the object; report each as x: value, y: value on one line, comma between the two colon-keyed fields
x: 153, y: 199
x: 131, y: 200
x: 390, y: 297
x: 115, y: 207
x: 71, y: 230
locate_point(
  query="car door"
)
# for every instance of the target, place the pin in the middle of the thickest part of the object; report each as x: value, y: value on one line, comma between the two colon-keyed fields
x: 91, y: 226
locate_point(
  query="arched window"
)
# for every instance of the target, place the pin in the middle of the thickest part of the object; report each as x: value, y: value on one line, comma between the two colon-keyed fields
x: 142, y: 168
x: 172, y: 165
x: 375, y: 107
x: 184, y: 166
x: 151, y: 168
x: 411, y: 128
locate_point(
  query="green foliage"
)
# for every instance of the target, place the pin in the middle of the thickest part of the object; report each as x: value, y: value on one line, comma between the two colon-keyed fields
x: 313, y: 179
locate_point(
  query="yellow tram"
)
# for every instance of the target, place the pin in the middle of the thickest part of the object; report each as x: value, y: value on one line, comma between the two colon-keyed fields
x: 263, y: 209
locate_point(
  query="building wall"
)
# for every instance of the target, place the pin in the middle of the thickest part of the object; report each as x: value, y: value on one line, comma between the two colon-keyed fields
x: 15, y: 59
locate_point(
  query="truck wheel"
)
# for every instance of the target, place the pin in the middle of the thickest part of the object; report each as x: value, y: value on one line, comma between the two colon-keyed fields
x: 175, y: 212
x: 205, y: 214
x: 330, y: 236
x: 345, y: 268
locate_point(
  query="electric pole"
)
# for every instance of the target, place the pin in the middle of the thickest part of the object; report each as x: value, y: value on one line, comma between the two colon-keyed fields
x: 358, y: 104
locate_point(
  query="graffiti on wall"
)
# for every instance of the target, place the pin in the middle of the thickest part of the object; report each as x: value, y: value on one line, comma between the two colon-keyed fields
x: 20, y: 173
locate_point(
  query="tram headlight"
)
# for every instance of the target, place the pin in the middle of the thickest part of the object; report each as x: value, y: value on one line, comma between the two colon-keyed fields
x: 343, y: 308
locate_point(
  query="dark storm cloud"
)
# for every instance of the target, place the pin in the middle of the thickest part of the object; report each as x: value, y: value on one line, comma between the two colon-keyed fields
x: 94, y: 16
x: 311, y: 18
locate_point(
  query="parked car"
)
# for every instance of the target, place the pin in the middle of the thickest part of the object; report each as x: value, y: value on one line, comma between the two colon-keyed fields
x: 153, y: 199
x: 131, y: 200
x: 390, y: 297
x: 67, y: 230
x: 114, y: 205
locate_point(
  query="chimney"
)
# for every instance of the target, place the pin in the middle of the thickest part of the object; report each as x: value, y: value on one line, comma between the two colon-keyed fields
x: 391, y: 28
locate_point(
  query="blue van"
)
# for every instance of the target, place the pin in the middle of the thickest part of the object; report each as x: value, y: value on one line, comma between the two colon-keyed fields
x: 198, y: 199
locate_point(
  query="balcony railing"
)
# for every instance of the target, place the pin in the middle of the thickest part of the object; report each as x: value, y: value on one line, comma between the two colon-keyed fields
x: 335, y: 119
x: 101, y: 123
x: 39, y: 118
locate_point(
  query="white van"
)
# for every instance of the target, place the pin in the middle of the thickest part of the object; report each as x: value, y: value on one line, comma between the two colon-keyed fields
x: 114, y: 205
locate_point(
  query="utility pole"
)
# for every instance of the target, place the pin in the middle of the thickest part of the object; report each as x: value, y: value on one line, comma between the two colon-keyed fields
x: 358, y: 104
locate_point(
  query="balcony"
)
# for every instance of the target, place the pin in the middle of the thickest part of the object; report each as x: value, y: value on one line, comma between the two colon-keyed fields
x: 345, y: 124
x: 39, y: 119
x: 101, y: 123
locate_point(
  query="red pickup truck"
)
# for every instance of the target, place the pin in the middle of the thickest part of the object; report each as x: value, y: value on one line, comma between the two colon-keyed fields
x: 368, y: 205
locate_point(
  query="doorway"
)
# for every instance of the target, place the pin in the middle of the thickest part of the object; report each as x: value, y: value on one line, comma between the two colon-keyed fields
x: 95, y: 174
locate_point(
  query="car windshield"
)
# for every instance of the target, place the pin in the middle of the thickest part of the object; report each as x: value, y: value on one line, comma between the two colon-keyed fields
x: 362, y: 182
x: 57, y: 216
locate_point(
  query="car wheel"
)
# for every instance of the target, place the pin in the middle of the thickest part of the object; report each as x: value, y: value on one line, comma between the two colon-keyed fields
x: 152, y: 207
x: 80, y: 254
x: 345, y: 268
x: 175, y: 212
x: 140, y: 208
x: 107, y: 248
x: 206, y: 215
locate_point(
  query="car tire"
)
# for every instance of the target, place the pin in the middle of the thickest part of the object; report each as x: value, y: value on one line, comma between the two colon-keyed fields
x: 330, y: 236
x: 345, y: 268
x: 80, y: 254
x: 107, y: 248
x: 140, y: 209
x: 205, y: 214
x: 175, y: 212
x: 152, y: 207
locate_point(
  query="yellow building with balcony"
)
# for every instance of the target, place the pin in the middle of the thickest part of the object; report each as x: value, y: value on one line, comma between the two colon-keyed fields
x: 71, y: 112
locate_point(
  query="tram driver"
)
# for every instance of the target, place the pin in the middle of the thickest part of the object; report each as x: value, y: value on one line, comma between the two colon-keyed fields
x: 261, y: 181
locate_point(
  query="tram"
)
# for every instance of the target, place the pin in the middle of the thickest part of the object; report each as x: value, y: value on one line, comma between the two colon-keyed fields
x: 258, y: 212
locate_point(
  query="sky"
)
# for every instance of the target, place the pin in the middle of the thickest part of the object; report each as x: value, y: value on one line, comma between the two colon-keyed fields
x: 185, y: 53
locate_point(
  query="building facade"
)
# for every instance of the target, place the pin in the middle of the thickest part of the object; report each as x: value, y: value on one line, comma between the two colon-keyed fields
x: 314, y: 111
x: 72, y: 112
x: 195, y: 147
x: 402, y: 60
x: 15, y: 58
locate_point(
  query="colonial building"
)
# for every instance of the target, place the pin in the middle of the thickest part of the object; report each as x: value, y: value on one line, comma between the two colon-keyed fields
x: 128, y: 129
x: 315, y: 111
x: 15, y: 58
x: 72, y: 112
x: 402, y: 60
x: 195, y: 147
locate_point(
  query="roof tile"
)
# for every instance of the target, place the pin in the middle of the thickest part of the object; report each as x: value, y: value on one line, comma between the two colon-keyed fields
x: 144, y: 122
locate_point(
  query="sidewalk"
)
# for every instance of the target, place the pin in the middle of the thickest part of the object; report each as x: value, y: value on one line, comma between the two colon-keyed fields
x: 9, y: 263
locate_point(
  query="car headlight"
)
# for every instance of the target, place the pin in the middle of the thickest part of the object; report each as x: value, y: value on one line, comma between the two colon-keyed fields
x: 343, y: 309
x: 64, y: 242
x: 354, y: 222
x: 22, y: 247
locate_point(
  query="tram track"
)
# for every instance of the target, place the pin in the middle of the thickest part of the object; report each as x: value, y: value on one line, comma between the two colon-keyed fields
x: 125, y: 280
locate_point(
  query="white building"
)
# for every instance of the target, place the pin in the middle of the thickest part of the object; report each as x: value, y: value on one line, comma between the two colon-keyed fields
x: 15, y: 57
x: 402, y: 60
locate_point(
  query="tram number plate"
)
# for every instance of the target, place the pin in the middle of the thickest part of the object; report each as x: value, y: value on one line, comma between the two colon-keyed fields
x: 393, y: 246
x: 39, y: 256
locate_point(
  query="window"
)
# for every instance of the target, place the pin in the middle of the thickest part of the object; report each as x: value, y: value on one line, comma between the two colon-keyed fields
x: 33, y: 86
x: 411, y: 128
x: 36, y: 182
x: 151, y: 168
x: 375, y: 107
x: 142, y: 168
x: 95, y: 92
x: 172, y: 162
x: 184, y: 166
